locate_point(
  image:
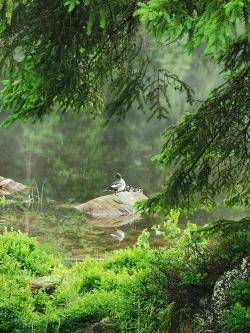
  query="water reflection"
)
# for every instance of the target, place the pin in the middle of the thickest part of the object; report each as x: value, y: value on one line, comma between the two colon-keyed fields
x: 114, y: 222
x: 68, y: 233
x: 65, y: 230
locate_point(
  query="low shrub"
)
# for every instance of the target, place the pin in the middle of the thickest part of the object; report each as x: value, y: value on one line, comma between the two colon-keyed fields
x: 139, y: 290
x: 21, y: 253
x: 236, y: 315
x: 236, y: 319
x: 16, y: 303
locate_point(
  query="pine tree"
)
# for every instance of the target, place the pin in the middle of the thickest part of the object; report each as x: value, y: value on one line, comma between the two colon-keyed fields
x: 68, y: 54
x: 79, y: 55
x: 209, y: 149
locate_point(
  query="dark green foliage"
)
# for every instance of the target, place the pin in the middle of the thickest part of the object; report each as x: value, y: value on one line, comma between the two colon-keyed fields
x: 67, y: 54
x: 150, y: 88
x: 210, y: 152
x: 236, y: 55
x: 236, y: 317
x: 58, y: 62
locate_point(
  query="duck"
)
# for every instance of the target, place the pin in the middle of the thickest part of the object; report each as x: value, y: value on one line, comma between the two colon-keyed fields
x: 119, y: 236
x: 119, y: 185
x: 134, y: 189
x: 29, y: 201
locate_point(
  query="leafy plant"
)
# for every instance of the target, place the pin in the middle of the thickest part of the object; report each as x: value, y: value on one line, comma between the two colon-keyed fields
x: 237, y: 319
x: 134, y: 290
x: 20, y: 253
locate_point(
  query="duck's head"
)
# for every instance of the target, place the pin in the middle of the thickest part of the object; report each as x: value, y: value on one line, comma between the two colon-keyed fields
x: 118, y: 176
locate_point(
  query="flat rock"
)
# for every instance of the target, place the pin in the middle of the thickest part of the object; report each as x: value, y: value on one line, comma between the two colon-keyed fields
x: 9, y: 186
x: 111, y: 206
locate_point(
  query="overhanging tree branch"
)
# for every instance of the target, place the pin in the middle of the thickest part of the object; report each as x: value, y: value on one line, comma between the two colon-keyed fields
x: 210, y: 150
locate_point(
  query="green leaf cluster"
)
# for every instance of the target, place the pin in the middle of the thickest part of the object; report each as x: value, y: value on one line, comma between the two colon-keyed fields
x: 24, y: 255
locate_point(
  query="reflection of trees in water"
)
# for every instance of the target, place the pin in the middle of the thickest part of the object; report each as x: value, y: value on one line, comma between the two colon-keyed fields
x: 65, y: 231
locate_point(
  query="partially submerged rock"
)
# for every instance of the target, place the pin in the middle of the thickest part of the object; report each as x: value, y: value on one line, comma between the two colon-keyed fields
x: 113, y: 222
x: 112, y: 206
x: 9, y: 186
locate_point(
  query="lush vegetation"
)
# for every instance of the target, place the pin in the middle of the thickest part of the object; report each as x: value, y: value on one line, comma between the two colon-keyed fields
x: 76, y: 156
x: 135, y: 290
x: 88, y: 55
x: 96, y: 56
x: 204, y: 148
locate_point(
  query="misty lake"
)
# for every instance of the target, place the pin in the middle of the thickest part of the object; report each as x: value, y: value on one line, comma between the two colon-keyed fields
x: 71, y: 159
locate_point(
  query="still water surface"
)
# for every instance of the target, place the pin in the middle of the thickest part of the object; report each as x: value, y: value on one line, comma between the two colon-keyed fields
x: 66, y: 232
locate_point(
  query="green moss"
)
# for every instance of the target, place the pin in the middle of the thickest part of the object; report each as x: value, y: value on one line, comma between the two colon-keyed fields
x: 134, y: 290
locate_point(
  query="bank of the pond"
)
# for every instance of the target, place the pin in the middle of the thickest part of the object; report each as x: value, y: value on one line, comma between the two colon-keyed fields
x: 138, y: 289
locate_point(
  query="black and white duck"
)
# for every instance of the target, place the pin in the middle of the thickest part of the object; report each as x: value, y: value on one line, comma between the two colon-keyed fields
x: 119, y: 185
x: 119, y: 236
x: 134, y: 189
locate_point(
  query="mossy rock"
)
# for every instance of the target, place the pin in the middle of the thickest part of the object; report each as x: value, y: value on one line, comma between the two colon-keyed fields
x: 111, y: 206
x: 9, y: 186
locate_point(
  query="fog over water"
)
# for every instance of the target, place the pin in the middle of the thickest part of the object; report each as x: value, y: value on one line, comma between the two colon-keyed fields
x: 72, y: 158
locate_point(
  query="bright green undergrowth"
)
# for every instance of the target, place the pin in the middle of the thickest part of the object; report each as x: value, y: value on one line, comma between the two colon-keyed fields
x: 139, y: 289
x: 4, y: 202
